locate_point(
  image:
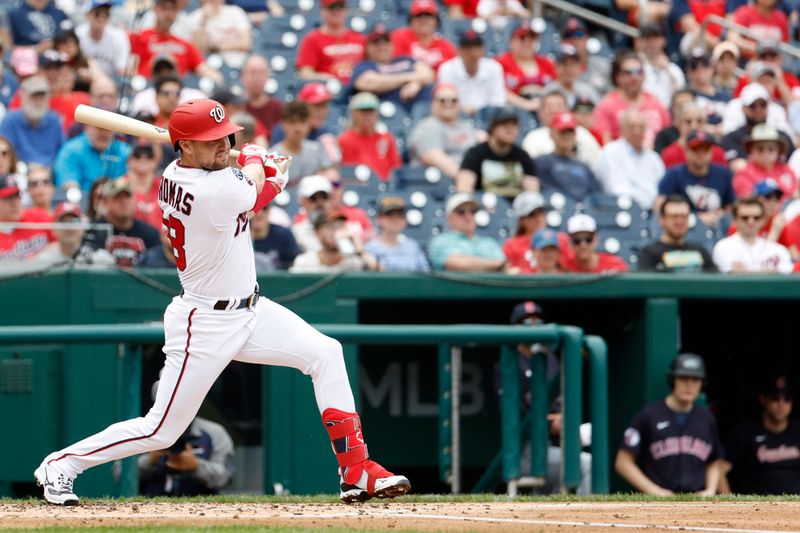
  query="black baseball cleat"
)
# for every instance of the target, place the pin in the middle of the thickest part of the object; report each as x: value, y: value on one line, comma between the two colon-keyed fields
x: 57, y: 487
x: 375, y: 482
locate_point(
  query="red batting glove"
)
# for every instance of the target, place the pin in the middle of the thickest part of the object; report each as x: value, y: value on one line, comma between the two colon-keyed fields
x: 252, y: 154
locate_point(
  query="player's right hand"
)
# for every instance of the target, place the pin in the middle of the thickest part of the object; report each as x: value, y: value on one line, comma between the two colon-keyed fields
x: 276, y: 169
x: 252, y: 154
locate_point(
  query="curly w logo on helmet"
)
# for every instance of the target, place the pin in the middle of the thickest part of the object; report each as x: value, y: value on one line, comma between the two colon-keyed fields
x: 217, y: 113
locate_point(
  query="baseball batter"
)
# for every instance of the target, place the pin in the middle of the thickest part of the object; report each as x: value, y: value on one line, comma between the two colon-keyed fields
x: 219, y: 316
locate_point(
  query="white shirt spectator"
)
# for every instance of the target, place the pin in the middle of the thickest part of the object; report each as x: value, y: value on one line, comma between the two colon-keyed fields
x: 487, y: 8
x: 111, y: 52
x: 662, y: 82
x: 485, y: 89
x: 761, y: 256
x: 622, y: 171
x: 539, y: 142
x: 733, y: 118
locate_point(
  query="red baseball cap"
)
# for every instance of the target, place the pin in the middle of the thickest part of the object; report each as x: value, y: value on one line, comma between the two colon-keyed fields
x: 525, y: 28
x: 8, y: 186
x: 327, y: 3
x: 564, y: 122
x: 67, y: 208
x: 697, y: 138
x: 419, y: 7
x: 314, y: 93
x: 379, y: 31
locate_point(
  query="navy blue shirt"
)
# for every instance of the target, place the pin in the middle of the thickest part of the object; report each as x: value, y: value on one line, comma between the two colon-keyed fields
x: 673, y: 455
x: 154, y: 257
x: 398, y: 65
x: 277, y: 250
x: 764, y: 462
x: 566, y: 175
x: 30, y: 27
x: 713, y: 191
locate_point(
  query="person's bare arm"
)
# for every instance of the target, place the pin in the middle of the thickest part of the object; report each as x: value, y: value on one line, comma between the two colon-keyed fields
x: 205, y: 71
x: 375, y: 82
x: 744, y: 44
x: 723, y: 487
x: 531, y: 183
x: 528, y: 104
x: 468, y: 263
x: 436, y: 157
x: 466, y: 180
x: 625, y: 465
x: 712, y: 479
x: 423, y: 73
x: 454, y: 11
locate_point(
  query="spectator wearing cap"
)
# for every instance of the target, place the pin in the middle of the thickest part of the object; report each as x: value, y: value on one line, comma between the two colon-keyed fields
x: 626, y: 167
x: 145, y: 103
x: 725, y: 59
x: 400, y: 80
x: 582, y: 230
x: 102, y: 42
x: 394, y: 251
x: 40, y: 187
x: 479, y: 79
x: 142, y: 165
x: 530, y: 211
x: 498, y: 165
x: 765, y: 150
x: 539, y: 141
x: 764, y: 20
x: 95, y: 152
x: 661, y: 76
x: 595, y: 69
x: 34, y: 130
x: 690, y: 117
x: 741, y: 114
x: 35, y: 22
x: 499, y: 14
x: 690, y: 15
x: 61, y: 77
x: 158, y: 40
x: 584, y: 113
x: 670, y: 134
x: 762, y: 455
x: 568, y: 82
x: 308, y: 157
x: 765, y: 75
x: 129, y: 237
x: 786, y: 87
x: 313, y: 194
x: 776, y: 227
x: 420, y: 40
x: 274, y: 246
x: 671, y: 253
x: 525, y: 72
x: 546, y: 250
x: 332, y: 50
x: 20, y: 244
x: 461, y: 9
x: 746, y: 251
x: 442, y: 138
x: 363, y: 144
x: 335, y: 253
x: 318, y: 99
x: 67, y: 248
x: 707, y: 187
x: 700, y: 80
x: 627, y: 74
x: 561, y: 171
x: 459, y: 249
x: 223, y: 29
x: 254, y: 77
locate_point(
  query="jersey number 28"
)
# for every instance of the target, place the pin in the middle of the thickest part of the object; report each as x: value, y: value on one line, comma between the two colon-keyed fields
x: 176, y: 234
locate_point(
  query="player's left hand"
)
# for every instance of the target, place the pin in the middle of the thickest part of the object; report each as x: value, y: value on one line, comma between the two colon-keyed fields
x: 276, y: 169
x: 184, y: 461
x: 252, y: 154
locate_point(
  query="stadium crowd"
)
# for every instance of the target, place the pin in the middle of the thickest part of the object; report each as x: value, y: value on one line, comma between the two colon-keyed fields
x: 456, y: 135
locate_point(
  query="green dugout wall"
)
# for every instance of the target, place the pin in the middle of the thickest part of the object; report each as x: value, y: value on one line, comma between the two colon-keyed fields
x: 53, y: 395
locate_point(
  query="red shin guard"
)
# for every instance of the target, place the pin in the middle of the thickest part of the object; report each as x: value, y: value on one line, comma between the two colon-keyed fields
x: 348, y: 443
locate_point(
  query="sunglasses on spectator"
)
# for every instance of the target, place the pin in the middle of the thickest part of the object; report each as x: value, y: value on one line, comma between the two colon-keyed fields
x: 774, y: 196
x: 750, y: 218
x: 633, y: 71
x: 447, y: 100
x: 577, y: 241
x: 146, y: 154
x: 758, y: 104
x: 317, y: 196
x: 464, y: 210
x: 164, y: 92
x: 37, y: 183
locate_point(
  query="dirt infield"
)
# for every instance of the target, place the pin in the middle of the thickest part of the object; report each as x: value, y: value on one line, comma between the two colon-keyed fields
x: 711, y: 516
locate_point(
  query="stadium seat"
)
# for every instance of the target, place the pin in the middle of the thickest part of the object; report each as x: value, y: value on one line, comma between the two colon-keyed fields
x: 362, y: 179
x: 287, y: 200
x: 428, y: 180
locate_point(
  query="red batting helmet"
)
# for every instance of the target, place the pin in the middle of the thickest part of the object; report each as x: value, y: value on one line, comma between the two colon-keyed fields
x: 200, y: 120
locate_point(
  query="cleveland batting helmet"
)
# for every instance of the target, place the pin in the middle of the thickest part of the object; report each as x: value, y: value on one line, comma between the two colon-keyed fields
x: 686, y: 365
x: 200, y: 120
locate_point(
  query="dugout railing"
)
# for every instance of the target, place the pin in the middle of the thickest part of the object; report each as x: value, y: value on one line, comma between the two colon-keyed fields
x: 450, y: 340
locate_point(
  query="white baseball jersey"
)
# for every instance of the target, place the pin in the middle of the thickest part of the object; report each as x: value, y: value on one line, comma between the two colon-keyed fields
x: 206, y: 213
x: 761, y: 256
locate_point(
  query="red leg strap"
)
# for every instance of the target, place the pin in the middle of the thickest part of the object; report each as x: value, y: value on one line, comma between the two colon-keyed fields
x: 348, y: 443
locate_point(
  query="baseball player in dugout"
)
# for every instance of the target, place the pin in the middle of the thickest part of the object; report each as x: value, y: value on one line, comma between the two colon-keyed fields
x: 672, y: 445
x: 219, y: 316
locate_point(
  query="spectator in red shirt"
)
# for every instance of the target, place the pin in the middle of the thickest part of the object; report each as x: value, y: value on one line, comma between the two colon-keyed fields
x: 526, y: 73
x: 764, y: 19
x: 531, y: 212
x: 582, y: 231
x: 764, y: 149
x: 254, y: 77
x: 142, y: 165
x: 461, y: 9
x: 332, y: 50
x: 627, y: 74
x: 362, y: 144
x: 20, y: 244
x: 158, y: 41
x: 787, y: 86
x: 419, y: 40
x: 690, y: 15
x: 690, y: 117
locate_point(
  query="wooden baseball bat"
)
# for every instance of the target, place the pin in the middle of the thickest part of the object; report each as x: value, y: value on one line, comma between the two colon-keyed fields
x: 109, y: 120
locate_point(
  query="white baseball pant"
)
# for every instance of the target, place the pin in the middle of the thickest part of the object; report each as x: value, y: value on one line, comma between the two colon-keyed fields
x: 200, y: 342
